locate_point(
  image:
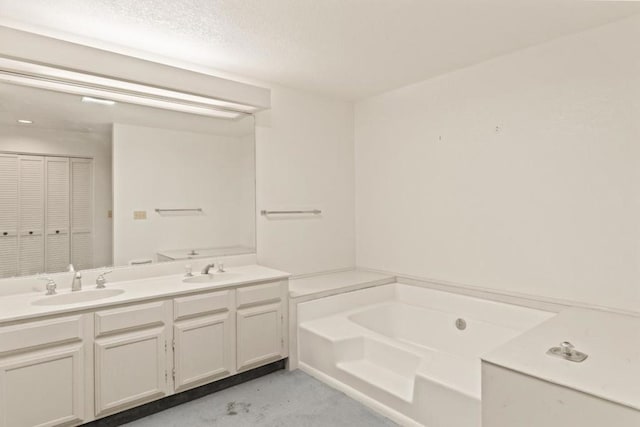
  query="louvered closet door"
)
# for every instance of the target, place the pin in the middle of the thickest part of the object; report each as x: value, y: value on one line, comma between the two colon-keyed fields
x: 8, y: 215
x: 31, y: 218
x: 82, y: 213
x: 57, y: 214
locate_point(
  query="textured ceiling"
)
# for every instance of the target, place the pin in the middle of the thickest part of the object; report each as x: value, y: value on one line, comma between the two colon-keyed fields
x: 344, y: 48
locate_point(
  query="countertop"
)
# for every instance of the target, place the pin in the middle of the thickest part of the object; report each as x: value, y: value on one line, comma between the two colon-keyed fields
x: 612, y: 342
x: 343, y: 281
x: 19, y: 307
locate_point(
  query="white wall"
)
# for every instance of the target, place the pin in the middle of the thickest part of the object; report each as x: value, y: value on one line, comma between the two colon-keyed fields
x: 33, y: 140
x: 549, y: 205
x: 163, y: 168
x: 305, y: 161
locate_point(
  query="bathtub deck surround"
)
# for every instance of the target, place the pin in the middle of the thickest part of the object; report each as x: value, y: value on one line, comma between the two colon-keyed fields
x: 409, y: 352
x: 138, y: 341
x: 611, y: 342
x: 326, y: 284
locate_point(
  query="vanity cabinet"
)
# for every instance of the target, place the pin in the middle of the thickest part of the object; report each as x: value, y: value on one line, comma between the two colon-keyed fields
x: 77, y: 368
x: 203, y: 338
x: 130, y: 354
x: 42, y: 373
x: 261, y: 325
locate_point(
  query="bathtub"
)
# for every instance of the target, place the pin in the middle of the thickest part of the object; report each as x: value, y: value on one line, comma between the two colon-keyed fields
x: 409, y: 352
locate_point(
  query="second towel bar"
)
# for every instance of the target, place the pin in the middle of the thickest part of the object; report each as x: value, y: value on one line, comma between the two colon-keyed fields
x: 312, y: 211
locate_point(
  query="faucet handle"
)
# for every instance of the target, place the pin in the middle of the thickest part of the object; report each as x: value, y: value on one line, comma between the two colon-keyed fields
x: 566, y: 348
x: 100, y: 280
x: 567, y: 351
x: 188, y: 270
x: 50, y: 286
x: 221, y: 268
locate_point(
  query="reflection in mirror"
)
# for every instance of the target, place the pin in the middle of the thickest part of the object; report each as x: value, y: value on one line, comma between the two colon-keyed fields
x: 97, y: 184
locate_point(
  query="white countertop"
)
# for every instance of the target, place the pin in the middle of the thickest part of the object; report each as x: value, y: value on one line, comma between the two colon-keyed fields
x: 612, y: 341
x: 344, y: 281
x: 19, y: 306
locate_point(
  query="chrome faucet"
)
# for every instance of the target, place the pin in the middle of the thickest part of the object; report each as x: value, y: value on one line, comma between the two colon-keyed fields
x: 76, y: 284
x: 207, y: 267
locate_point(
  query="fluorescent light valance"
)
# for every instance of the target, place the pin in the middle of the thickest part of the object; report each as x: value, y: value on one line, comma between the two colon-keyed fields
x: 105, y: 88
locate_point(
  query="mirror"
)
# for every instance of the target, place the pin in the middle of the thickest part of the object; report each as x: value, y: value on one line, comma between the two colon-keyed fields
x: 95, y: 184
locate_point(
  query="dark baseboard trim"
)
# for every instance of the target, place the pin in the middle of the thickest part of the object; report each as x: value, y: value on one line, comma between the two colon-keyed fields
x: 177, y: 399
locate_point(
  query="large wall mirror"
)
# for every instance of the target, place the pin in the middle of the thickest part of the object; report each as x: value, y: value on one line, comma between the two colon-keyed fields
x: 94, y: 183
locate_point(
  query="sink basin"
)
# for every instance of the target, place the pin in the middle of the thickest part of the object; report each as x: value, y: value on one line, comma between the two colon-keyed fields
x: 76, y: 297
x: 211, y: 278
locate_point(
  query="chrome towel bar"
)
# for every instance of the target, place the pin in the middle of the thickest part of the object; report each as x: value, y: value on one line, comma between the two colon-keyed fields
x: 179, y: 210
x: 312, y: 212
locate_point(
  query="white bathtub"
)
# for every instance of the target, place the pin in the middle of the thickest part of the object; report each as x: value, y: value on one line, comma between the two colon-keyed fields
x: 403, y: 351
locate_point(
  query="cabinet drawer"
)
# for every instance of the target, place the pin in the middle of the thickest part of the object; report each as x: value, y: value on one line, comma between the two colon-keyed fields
x: 35, y: 334
x: 258, y: 294
x: 128, y: 318
x: 196, y: 305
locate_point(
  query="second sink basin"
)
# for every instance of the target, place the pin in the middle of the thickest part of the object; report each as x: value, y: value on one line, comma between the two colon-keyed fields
x: 76, y: 297
x: 211, y: 278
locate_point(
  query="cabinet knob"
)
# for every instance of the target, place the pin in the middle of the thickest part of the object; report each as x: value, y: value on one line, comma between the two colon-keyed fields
x: 57, y: 231
x: 5, y: 234
x: 31, y: 232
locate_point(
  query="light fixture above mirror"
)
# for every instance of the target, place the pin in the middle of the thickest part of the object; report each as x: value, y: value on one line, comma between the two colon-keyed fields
x: 107, y: 91
x: 90, y: 99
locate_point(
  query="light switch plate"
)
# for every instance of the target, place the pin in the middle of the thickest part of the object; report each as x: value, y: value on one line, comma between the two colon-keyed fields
x: 139, y: 214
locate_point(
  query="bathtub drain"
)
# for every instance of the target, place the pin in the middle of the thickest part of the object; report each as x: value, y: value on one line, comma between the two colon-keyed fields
x: 461, y: 324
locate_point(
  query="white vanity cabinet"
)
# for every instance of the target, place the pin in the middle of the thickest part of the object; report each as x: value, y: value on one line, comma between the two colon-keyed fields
x: 131, y: 356
x: 72, y: 369
x: 42, y: 374
x: 262, y: 322
x: 203, y: 338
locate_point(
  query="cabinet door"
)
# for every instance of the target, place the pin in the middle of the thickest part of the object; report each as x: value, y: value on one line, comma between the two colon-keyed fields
x: 130, y: 369
x: 82, y: 213
x: 203, y: 350
x: 57, y: 214
x: 42, y: 388
x: 31, y: 218
x: 260, y: 335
